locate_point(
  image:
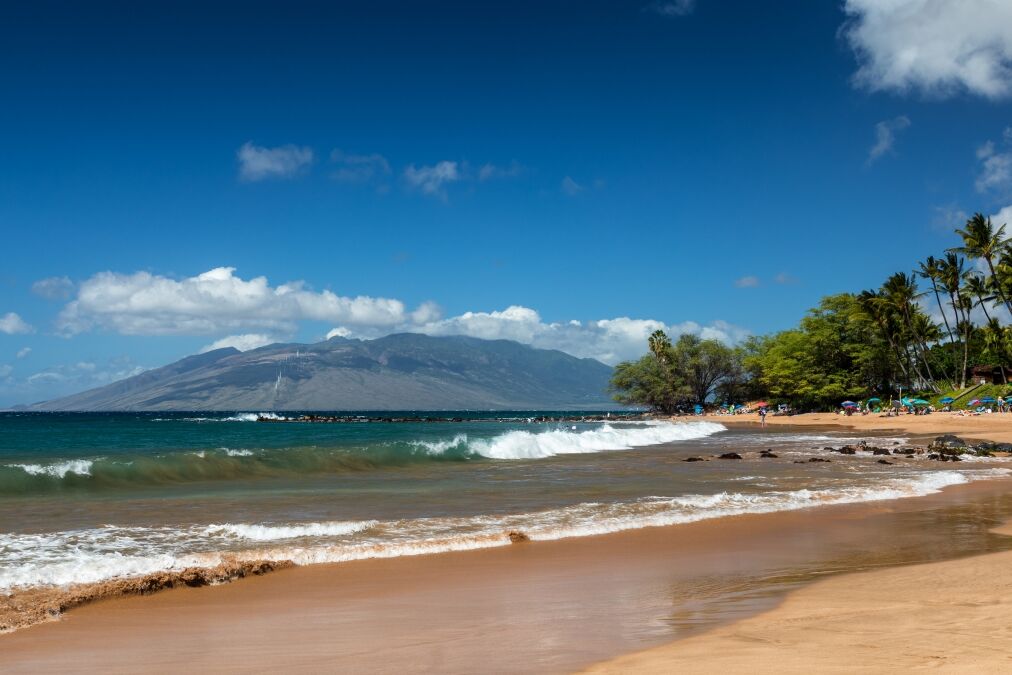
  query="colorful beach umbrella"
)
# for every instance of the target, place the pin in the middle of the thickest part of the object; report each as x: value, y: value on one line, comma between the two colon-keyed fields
x: 848, y: 404
x: 973, y: 402
x: 946, y: 400
x: 762, y: 404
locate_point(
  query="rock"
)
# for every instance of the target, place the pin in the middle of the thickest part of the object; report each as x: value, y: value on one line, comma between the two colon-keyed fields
x: 904, y: 451
x: 730, y: 455
x: 879, y: 451
x: 948, y: 441
x: 768, y: 454
x: 817, y: 459
x: 693, y: 459
x: 847, y: 450
x: 517, y: 537
x: 884, y: 461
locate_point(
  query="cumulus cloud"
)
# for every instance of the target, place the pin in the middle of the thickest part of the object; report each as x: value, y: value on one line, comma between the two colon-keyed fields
x: 23, y: 352
x: 672, y: 8
x: 243, y: 343
x: 571, y: 187
x: 1003, y: 217
x: 53, y: 288
x: 995, y: 174
x: 213, y: 302
x: 359, y: 168
x: 12, y: 324
x: 431, y: 180
x: 747, y: 282
x: 259, y: 163
x: 885, y: 136
x: 784, y: 278
x: 608, y: 340
x: 937, y: 47
x: 339, y: 331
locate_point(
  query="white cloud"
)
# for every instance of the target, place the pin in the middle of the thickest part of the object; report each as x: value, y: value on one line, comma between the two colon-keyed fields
x: 53, y: 288
x: 340, y: 331
x: 747, y: 282
x: 243, y: 343
x: 672, y: 8
x: 571, y: 187
x: 491, y: 171
x: 995, y: 169
x: 431, y: 180
x: 784, y: 278
x: 259, y: 163
x: 608, y: 340
x: 12, y: 324
x: 938, y: 47
x: 5, y: 370
x: 1003, y: 217
x: 23, y: 352
x: 359, y: 168
x: 213, y: 302
x: 885, y: 136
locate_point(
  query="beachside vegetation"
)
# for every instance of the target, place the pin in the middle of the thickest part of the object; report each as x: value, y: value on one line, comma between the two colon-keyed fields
x: 922, y: 331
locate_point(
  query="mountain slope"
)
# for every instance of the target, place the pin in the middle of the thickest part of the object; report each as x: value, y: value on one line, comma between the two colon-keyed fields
x: 398, y: 372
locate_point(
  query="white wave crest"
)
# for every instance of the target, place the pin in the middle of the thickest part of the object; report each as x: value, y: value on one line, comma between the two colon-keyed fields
x: 275, y: 532
x: 439, y: 447
x: 81, y: 467
x: 251, y: 417
x: 527, y: 445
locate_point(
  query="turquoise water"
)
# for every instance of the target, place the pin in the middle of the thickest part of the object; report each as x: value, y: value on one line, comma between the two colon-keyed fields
x: 87, y: 497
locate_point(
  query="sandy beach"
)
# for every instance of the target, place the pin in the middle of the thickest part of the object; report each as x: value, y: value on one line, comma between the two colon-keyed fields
x: 995, y: 427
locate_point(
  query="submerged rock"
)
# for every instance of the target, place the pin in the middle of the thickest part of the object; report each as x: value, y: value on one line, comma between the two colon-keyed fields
x: 884, y: 461
x: 693, y: 459
x: 517, y: 537
x: 730, y: 455
x: 768, y: 454
x: 817, y: 459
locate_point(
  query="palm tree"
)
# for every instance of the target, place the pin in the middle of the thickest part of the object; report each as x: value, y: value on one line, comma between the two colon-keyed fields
x: 981, y: 240
x: 660, y: 344
x: 878, y: 309
x: 900, y: 290
x: 951, y: 274
x: 931, y: 269
x: 979, y: 287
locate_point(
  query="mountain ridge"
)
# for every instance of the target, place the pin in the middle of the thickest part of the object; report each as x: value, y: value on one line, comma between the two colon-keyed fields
x: 403, y: 371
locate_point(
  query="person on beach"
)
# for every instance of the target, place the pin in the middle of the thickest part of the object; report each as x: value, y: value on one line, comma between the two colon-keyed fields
x: 762, y: 417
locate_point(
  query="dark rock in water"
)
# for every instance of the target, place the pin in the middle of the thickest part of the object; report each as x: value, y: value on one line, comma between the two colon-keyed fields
x: 896, y: 443
x: 517, y: 537
x: 1003, y: 447
x: 846, y: 450
x: 884, y: 461
x: 904, y: 451
x: 693, y: 459
x: 948, y: 441
x: 817, y: 459
x: 768, y: 454
x: 879, y: 451
x: 829, y: 449
x: 730, y: 455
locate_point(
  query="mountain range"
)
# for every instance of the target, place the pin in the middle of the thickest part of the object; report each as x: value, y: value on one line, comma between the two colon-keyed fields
x: 405, y: 371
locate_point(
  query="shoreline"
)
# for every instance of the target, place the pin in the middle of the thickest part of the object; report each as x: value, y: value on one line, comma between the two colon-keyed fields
x: 588, y: 594
x: 995, y: 427
x: 876, y: 621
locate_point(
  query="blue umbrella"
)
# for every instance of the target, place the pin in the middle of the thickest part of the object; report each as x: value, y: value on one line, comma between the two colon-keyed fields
x: 848, y: 404
x: 947, y: 400
x: 988, y: 399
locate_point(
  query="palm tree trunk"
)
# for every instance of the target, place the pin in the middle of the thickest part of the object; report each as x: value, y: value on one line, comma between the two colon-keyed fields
x: 945, y: 318
x: 997, y: 285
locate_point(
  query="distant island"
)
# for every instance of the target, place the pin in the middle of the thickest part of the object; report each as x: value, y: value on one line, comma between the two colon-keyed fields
x: 405, y: 371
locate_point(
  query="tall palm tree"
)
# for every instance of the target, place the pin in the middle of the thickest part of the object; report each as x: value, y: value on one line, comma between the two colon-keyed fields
x: 951, y: 275
x: 982, y: 240
x: 931, y: 269
x: 900, y: 290
x: 875, y: 307
x: 979, y: 287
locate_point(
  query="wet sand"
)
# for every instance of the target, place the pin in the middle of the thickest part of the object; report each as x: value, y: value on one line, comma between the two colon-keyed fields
x: 954, y: 615
x: 995, y: 427
x: 552, y: 606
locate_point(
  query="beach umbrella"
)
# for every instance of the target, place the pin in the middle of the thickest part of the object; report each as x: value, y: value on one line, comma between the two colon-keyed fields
x: 762, y: 404
x: 905, y: 401
x: 973, y: 402
x: 848, y: 404
x: 919, y: 401
x: 874, y: 399
x: 946, y: 400
x: 988, y: 399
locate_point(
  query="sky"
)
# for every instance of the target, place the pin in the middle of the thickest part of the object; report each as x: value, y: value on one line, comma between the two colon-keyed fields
x: 176, y: 177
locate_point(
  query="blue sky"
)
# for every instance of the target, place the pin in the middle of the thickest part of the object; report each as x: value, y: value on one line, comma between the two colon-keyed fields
x: 571, y: 175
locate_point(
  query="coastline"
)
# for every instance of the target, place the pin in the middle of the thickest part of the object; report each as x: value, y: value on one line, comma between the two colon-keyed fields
x: 953, y: 615
x: 553, y: 606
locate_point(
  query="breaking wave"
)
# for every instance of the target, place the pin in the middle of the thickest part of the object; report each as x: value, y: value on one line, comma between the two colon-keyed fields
x: 231, y: 463
x: 98, y: 554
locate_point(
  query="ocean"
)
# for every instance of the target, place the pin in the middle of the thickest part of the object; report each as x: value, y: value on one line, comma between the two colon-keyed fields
x: 90, y: 497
